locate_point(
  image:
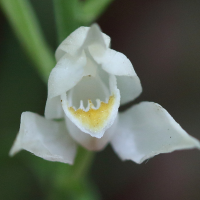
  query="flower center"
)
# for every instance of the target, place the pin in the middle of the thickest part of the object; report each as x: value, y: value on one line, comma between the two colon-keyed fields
x: 94, y: 119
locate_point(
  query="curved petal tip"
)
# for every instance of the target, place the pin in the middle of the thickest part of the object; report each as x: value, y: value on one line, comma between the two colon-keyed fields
x: 44, y: 138
x: 147, y: 130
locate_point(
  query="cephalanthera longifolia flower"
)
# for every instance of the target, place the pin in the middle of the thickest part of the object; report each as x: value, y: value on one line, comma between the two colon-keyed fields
x: 88, y: 84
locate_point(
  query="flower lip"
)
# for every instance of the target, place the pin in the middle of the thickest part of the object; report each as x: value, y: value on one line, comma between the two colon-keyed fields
x: 92, y: 119
x: 90, y: 143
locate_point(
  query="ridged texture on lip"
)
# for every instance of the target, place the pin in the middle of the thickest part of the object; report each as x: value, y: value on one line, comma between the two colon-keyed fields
x: 94, y: 119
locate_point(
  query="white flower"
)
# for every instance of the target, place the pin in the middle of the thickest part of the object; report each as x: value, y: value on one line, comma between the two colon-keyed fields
x: 86, y: 87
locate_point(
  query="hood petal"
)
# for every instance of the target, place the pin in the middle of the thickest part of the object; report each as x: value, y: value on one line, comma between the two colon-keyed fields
x: 77, y: 40
x: 95, y: 39
x: 146, y: 130
x: 44, y: 138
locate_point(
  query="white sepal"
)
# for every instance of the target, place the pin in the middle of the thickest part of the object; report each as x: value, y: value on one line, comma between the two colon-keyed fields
x: 146, y: 130
x: 44, y: 138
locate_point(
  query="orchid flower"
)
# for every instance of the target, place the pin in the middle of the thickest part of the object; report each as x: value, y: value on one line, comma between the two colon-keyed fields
x: 88, y: 84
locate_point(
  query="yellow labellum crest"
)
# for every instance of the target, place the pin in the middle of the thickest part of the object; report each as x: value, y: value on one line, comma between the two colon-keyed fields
x: 94, y: 119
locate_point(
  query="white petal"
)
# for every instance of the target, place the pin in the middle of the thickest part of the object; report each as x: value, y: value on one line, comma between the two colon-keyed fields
x: 130, y: 88
x: 94, y: 36
x: 115, y: 63
x: 146, y: 130
x: 88, y: 88
x: 44, y: 138
x: 90, y: 69
x: 53, y: 109
x: 87, y: 141
x: 65, y: 75
x: 93, y: 120
x: 75, y: 41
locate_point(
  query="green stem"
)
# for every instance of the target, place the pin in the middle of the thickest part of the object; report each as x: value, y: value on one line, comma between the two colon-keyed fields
x: 71, y: 182
x: 75, y: 173
x: 24, y: 22
x: 66, y: 13
x: 82, y: 163
x: 63, y: 181
x: 92, y: 9
x: 70, y: 14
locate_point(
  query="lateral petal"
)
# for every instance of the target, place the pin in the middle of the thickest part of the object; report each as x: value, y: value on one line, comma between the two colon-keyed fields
x: 65, y: 75
x: 115, y: 63
x: 130, y: 88
x: 44, y: 138
x: 146, y: 130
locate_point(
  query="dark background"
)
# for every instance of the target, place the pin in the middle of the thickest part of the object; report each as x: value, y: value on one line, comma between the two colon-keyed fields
x: 162, y: 40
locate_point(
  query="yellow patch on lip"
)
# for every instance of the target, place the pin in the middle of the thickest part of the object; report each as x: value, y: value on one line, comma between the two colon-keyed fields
x: 94, y: 119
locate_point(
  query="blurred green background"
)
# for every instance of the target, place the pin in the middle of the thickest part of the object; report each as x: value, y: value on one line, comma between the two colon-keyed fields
x: 162, y: 40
